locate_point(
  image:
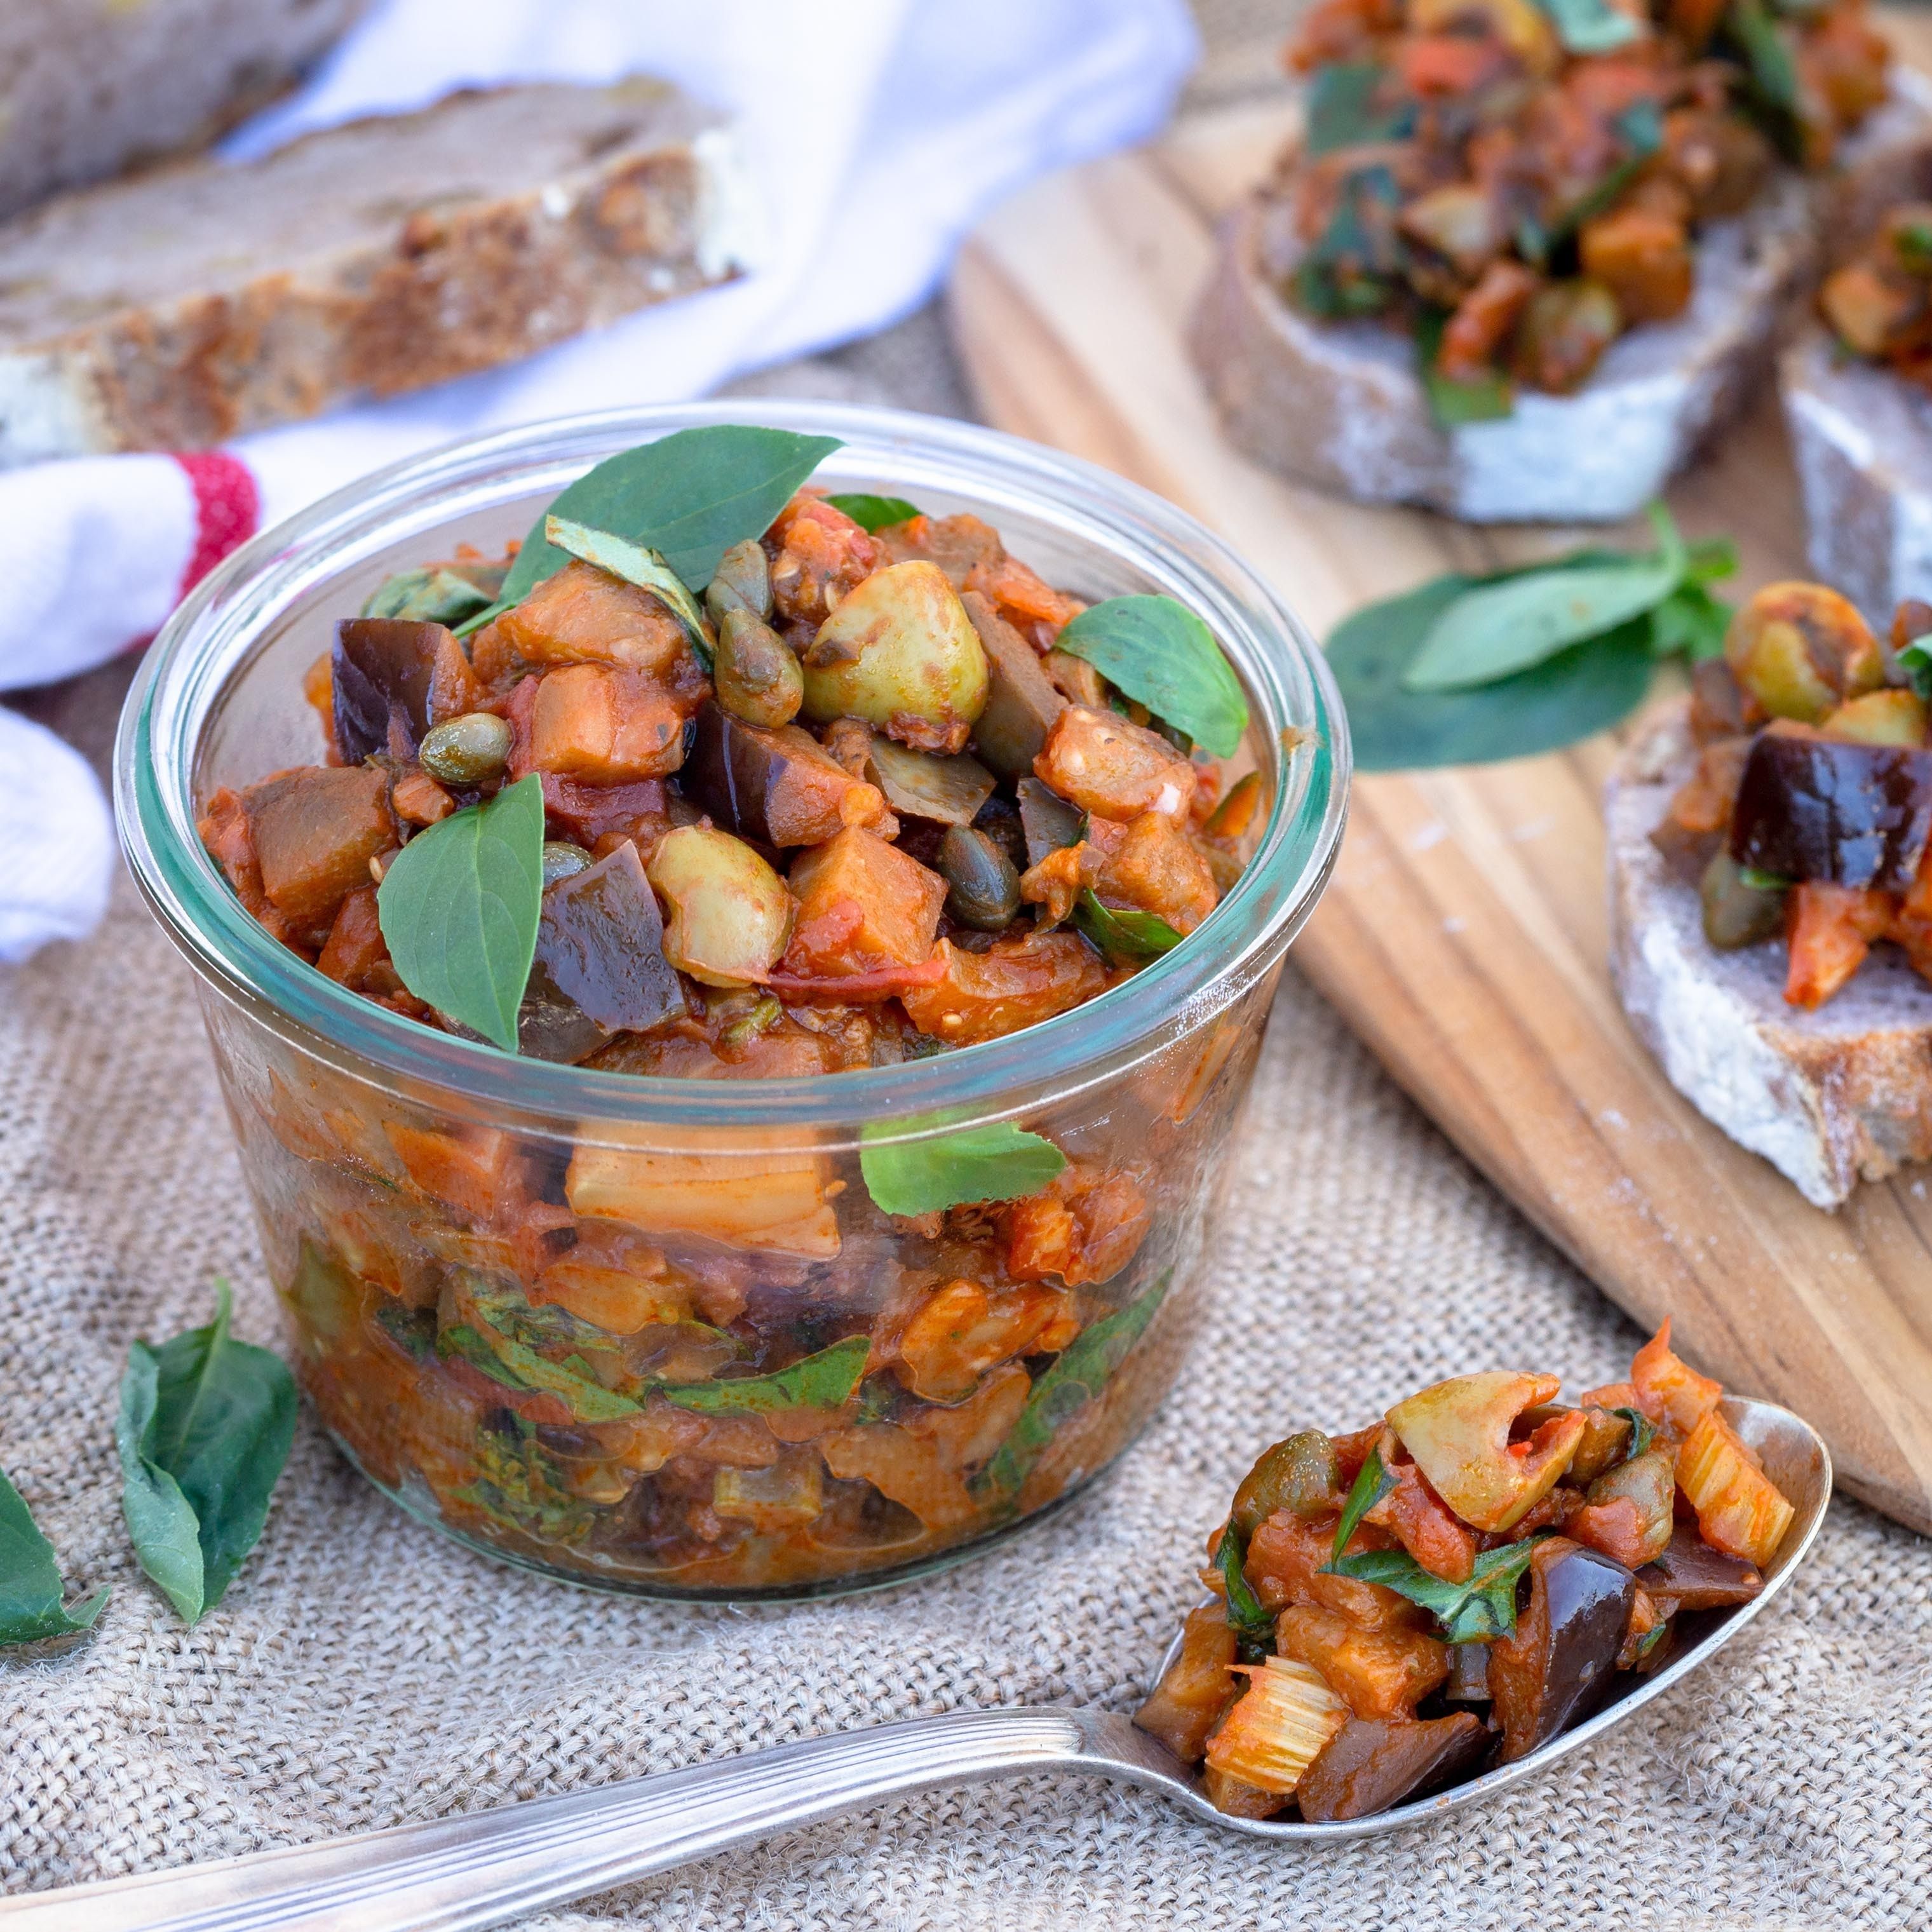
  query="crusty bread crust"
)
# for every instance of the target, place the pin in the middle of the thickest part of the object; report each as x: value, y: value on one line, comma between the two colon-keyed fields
x: 200, y: 301
x: 1829, y: 1098
x: 1861, y: 438
x: 1340, y: 406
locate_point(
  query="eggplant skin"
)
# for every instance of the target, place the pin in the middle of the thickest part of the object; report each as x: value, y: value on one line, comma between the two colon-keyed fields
x: 1564, y: 1649
x: 1826, y: 808
x: 380, y: 670
x: 1371, y: 1764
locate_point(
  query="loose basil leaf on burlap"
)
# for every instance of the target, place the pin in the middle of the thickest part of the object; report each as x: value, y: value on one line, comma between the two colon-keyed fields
x: 205, y: 1427
x: 875, y: 513
x: 1342, y: 112
x: 459, y: 908
x: 1590, y: 26
x: 1077, y: 1376
x: 1373, y: 1482
x: 1158, y: 652
x: 997, y: 1162
x: 635, y: 565
x: 1253, y: 1627
x: 1484, y: 1607
x: 1450, y: 403
x: 1643, y: 1431
x: 1496, y: 629
x: 1578, y: 692
x: 436, y: 596
x: 689, y: 497
x: 31, y: 1609
x: 822, y: 1380
x: 1127, y: 938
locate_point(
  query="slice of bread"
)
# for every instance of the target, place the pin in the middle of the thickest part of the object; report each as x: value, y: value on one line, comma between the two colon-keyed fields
x: 1862, y: 437
x: 88, y: 87
x: 1341, y: 405
x: 201, y: 301
x: 1830, y: 1098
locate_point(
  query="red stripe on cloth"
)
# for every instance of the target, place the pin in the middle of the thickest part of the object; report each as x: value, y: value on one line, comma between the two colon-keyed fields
x: 227, y: 508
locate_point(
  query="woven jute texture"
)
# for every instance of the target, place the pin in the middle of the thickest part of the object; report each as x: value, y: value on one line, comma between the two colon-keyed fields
x: 362, y: 1672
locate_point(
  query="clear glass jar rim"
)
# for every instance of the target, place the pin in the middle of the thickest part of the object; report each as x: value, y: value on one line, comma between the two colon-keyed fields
x: 208, y: 638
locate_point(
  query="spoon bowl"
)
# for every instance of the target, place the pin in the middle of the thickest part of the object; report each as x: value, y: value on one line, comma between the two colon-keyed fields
x: 479, y: 1868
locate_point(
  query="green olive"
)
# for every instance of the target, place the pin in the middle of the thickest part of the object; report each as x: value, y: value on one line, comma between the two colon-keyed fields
x: 563, y: 860
x: 467, y: 750
x: 1300, y: 1475
x: 729, y: 913
x: 743, y: 581
x: 984, y: 888
x: 757, y: 678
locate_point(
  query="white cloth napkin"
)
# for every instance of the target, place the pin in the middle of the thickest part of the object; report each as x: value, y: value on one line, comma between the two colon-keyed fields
x: 875, y: 132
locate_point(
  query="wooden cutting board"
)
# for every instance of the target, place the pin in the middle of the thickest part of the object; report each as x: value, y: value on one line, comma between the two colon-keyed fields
x: 1465, y: 936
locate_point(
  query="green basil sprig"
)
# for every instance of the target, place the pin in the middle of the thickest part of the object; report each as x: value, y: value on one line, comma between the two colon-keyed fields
x: 1484, y: 1607
x: 875, y: 513
x: 1916, y: 660
x: 509, y: 1362
x: 1253, y: 1627
x: 205, y: 1427
x: 822, y: 1380
x: 1643, y: 1431
x: 31, y: 1609
x: 1160, y: 653
x: 689, y: 497
x: 1077, y: 1376
x: 1568, y: 681
x: 997, y: 1162
x: 459, y: 907
x: 635, y: 565
x: 1450, y: 403
x: 429, y: 596
x: 1373, y: 1482
x: 1127, y: 938
x: 1345, y: 109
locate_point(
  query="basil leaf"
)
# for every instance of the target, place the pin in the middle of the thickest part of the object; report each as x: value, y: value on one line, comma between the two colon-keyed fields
x: 1078, y: 1375
x: 521, y: 1487
x: 1127, y: 938
x: 1773, y: 73
x: 1496, y: 629
x: 1590, y: 26
x: 1484, y: 1607
x: 822, y: 1380
x: 1573, y: 695
x: 1342, y: 110
x: 1756, y: 879
x: 1916, y: 660
x: 689, y: 497
x: 31, y: 1609
x: 1709, y: 559
x: 1643, y: 1431
x: 205, y: 1427
x: 1690, y: 621
x: 875, y: 513
x: 1253, y: 1627
x: 1158, y: 652
x: 998, y: 1163
x: 460, y: 906
x: 1452, y: 402
x: 1349, y: 270
x: 1373, y: 1482
x: 643, y: 568
x: 1641, y: 128
x: 520, y: 1367
x: 437, y: 596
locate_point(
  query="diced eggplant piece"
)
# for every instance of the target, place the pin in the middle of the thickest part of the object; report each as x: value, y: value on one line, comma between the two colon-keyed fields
x: 550, y: 1025
x: 1821, y: 809
x: 1198, y: 1686
x: 1559, y: 1658
x: 315, y: 831
x: 1372, y: 1764
x: 1113, y: 769
x: 926, y: 785
x: 601, y: 942
x: 1021, y: 701
x: 604, y: 726
x: 385, y: 673
x: 862, y: 904
x: 1468, y: 1679
x: 1699, y: 1577
x: 586, y: 813
x: 778, y: 785
x: 1050, y: 823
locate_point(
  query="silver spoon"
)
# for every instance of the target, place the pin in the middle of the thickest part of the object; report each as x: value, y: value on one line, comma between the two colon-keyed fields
x: 481, y: 1867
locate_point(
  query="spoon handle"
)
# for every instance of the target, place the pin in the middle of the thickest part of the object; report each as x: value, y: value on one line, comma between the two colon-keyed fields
x: 480, y: 1867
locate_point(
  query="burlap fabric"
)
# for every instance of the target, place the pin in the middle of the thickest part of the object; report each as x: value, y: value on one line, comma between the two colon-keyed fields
x: 362, y: 1672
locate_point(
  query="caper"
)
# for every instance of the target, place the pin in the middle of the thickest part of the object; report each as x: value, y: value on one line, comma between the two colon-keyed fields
x: 563, y: 860
x: 757, y: 677
x: 467, y: 750
x: 743, y: 581
x: 985, y: 888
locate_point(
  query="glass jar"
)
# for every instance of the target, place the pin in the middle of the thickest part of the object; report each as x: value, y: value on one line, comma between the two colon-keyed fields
x: 417, y: 1192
